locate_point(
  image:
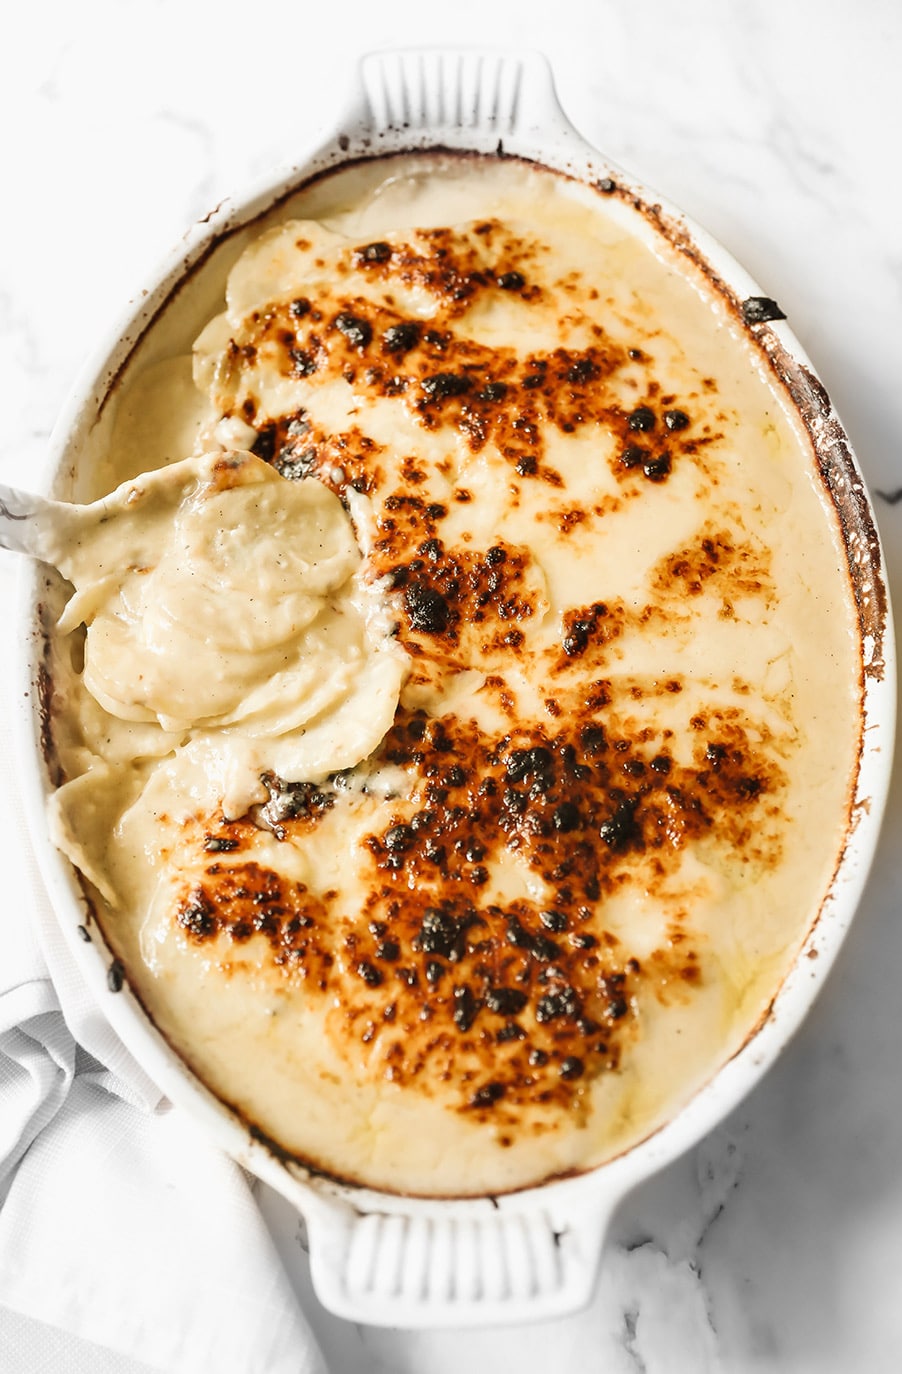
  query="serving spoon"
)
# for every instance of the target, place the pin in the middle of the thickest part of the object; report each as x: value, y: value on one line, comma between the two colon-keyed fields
x: 51, y: 530
x: 39, y: 526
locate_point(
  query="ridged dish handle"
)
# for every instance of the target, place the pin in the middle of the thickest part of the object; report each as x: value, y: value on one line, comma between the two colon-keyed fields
x: 432, y: 1269
x: 457, y: 95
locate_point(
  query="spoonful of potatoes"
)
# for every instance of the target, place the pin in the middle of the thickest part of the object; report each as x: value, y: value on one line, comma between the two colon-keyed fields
x: 220, y: 597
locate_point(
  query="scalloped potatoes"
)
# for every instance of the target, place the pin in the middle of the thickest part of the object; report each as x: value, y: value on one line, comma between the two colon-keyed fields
x: 557, y: 874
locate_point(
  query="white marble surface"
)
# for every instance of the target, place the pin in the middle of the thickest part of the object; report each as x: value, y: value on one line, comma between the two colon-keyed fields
x: 775, y: 1245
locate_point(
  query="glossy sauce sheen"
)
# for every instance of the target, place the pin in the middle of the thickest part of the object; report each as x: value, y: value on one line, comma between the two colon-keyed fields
x: 568, y: 882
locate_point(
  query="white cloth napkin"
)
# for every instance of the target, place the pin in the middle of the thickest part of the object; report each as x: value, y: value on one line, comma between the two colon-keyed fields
x: 119, y: 1223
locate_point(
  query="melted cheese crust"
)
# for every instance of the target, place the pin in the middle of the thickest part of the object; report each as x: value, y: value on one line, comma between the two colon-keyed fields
x: 567, y: 883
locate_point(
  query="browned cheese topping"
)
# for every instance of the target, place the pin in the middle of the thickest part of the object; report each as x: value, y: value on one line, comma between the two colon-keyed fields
x: 502, y: 1004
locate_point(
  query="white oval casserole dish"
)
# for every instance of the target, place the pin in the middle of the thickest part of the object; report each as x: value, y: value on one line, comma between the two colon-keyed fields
x: 398, y: 1260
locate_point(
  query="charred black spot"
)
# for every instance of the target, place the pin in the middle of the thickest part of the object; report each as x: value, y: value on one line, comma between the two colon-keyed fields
x: 197, y: 916
x: 303, y: 364
x: 399, y: 838
x: 219, y: 844
x: 291, y: 800
x: 642, y: 419
x: 525, y: 763
x: 583, y: 370
x: 577, y: 638
x: 401, y: 338
x: 555, y: 1005
x: 657, y: 469
x: 295, y: 464
x: 264, y: 446
x: 517, y: 934
x: 466, y: 1008
x: 440, y: 934
x: 571, y: 1067
x: 373, y: 253
x: 505, y: 1001
x: 543, y: 949
x: 431, y: 549
x: 427, y: 610
x: 445, y: 384
x: 621, y: 829
x: 760, y: 309
x: 358, y: 332
x: 565, y: 817
x: 487, y: 1095
x: 592, y: 738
